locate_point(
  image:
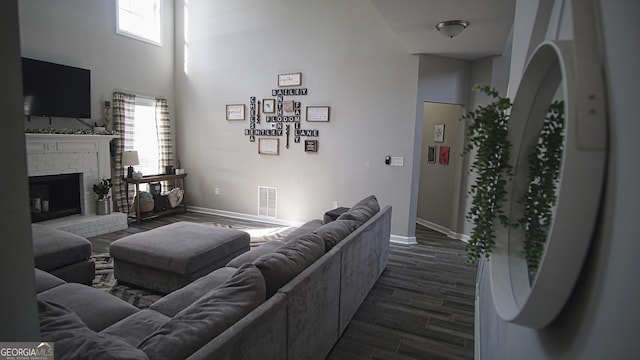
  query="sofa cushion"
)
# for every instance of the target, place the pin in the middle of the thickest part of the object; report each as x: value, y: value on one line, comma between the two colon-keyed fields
x: 333, y: 232
x: 133, y: 329
x: 205, y: 319
x: 178, y: 300
x: 363, y: 210
x: 53, y: 248
x: 73, y: 340
x: 306, y: 228
x: 251, y: 255
x: 279, y: 267
x: 46, y: 281
x: 85, y: 300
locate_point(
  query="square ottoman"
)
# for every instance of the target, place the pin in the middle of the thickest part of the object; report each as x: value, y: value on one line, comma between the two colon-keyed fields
x: 169, y: 257
x: 63, y: 254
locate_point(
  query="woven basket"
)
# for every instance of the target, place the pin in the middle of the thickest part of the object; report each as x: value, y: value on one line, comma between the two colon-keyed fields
x: 144, y: 207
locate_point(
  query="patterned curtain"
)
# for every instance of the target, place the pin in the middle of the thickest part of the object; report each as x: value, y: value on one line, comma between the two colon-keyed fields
x: 163, y: 125
x: 123, y: 123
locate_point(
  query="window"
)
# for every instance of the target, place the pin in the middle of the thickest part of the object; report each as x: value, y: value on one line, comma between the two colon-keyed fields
x: 140, y: 19
x: 146, y: 136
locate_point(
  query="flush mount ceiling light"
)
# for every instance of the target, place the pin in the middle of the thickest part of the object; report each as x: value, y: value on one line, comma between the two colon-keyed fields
x: 452, y: 28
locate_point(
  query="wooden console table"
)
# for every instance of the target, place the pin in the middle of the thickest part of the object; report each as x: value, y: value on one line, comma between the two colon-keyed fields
x: 178, y: 181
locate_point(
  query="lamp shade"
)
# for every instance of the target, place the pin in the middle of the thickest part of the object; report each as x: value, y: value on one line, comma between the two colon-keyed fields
x: 452, y: 28
x: 130, y: 158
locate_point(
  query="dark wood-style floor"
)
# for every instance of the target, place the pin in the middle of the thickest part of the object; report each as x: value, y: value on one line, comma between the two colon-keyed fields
x: 422, y: 307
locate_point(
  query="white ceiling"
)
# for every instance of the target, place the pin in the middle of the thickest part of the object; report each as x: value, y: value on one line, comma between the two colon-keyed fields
x: 414, y: 21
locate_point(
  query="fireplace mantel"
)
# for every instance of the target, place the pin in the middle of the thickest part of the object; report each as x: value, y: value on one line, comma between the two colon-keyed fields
x: 50, y: 144
x: 54, y: 154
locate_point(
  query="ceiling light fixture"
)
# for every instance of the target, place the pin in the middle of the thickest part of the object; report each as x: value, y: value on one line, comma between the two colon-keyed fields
x: 452, y: 28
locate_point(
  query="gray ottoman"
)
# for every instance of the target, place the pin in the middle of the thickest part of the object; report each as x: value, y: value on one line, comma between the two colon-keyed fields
x: 63, y: 254
x: 167, y: 258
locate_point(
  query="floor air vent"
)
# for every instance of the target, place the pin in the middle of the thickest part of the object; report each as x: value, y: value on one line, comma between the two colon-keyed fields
x: 267, y: 202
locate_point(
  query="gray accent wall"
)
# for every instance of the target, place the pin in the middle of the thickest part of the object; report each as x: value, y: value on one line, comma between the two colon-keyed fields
x: 350, y: 60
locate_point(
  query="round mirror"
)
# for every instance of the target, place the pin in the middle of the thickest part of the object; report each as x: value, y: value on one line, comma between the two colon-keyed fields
x: 528, y: 289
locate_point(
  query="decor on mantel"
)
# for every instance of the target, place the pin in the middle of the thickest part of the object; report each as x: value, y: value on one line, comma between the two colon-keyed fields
x: 103, y: 202
x: 68, y: 131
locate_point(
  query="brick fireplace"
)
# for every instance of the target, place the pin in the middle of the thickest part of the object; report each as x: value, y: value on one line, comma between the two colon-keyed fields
x: 87, y: 155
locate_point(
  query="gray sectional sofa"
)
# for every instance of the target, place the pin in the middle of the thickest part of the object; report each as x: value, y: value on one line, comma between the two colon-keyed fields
x: 289, y: 299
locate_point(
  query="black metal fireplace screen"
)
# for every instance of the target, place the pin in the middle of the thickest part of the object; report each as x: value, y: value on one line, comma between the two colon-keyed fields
x: 54, y: 196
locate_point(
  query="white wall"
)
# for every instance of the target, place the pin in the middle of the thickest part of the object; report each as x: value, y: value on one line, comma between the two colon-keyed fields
x: 350, y: 61
x: 601, y: 319
x: 83, y: 34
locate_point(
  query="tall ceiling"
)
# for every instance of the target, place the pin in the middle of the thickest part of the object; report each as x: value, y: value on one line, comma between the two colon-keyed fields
x: 414, y: 22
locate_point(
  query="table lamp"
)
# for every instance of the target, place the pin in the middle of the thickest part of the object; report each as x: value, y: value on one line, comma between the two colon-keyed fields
x: 130, y: 158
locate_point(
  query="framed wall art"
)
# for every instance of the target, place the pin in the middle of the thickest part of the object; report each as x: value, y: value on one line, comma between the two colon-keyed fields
x: 269, y: 146
x: 290, y: 79
x: 311, y: 146
x: 431, y: 154
x: 318, y: 113
x: 444, y: 155
x: 235, y: 112
x: 268, y: 106
x: 438, y: 133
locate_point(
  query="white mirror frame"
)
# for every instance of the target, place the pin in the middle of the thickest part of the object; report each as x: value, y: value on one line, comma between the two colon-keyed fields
x: 579, y: 188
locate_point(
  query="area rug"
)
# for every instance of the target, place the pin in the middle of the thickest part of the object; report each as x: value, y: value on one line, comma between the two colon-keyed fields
x: 142, y: 298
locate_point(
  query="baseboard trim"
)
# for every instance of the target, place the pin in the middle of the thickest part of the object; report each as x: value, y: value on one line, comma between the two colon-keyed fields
x: 396, y: 239
x: 441, y: 229
x: 403, y: 240
x: 247, y: 217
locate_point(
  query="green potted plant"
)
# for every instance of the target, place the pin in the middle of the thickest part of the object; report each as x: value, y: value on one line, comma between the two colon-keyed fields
x: 103, y: 202
x: 487, y: 134
x: 179, y: 170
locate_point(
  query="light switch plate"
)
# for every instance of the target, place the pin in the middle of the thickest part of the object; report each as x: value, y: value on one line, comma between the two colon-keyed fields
x: 397, y: 161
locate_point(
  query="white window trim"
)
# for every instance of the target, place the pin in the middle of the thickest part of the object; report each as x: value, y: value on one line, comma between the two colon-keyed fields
x: 136, y: 36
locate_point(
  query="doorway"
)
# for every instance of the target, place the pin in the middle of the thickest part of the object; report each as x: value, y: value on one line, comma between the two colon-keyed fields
x: 441, y: 192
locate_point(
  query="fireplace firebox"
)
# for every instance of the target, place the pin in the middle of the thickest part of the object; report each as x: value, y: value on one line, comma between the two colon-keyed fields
x: 54, y: 196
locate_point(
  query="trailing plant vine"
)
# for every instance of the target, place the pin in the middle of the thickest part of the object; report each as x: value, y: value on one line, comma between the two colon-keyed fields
x: 487, y: 134
x: 544, y: 170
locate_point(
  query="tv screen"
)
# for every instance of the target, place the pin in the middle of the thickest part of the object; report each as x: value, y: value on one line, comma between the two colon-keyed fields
x: 55, y: 90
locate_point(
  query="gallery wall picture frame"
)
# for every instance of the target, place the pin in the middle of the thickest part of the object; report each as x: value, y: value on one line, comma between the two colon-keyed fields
x: 288, y: 106
x: 290, y: 79
x: 431, y: 154
x: 311, y: 146
x: 438, y: 133
x: 443, y: 157
x: 269, y: 106
x: 269, y: 146
x: 318, y: 113
x: 235, y: 112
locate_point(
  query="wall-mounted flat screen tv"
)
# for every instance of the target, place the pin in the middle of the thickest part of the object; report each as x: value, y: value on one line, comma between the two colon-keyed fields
x: 55, y: 90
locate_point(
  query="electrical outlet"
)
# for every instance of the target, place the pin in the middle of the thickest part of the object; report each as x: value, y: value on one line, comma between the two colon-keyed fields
x: 216, y: 191
x: 397, y: 161
x: 334, y: 204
